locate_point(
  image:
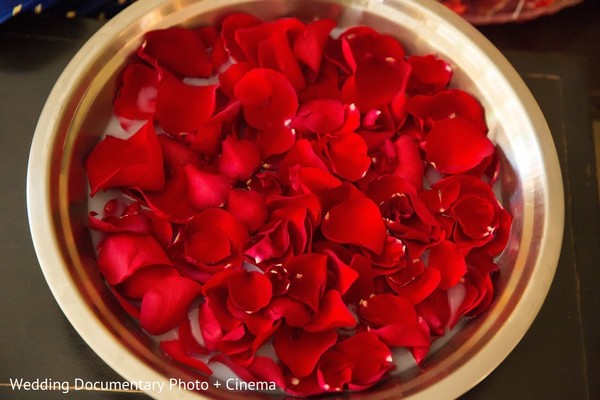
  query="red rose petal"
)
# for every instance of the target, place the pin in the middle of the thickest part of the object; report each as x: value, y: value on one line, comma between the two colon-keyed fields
x: 134, y: 223
x: 299, y: 350
x: 474, y: 215
x: 452, y: 103
x: 275, y: 139
x: 187, y: 339
x: 429, y: 74
x: 311, y: 180
x: 456, y: 145
x: 249, y: 291
x: 363, y: 287
x: 248, y: 207
x: 181, y: 107
x: 140, y: 281
x: 165, y: 304
x: 320, y: 116
x: 231, y: 76
x: 230, y: 25
x: 309, y: 45
x: 369, y: 366
x: 206, y: 190
x: 410, y: 164
x: 358, y: 222
x: 419, y: 287
x: 175, y: 350
x: 122, y: 254
x: 239, y: 158
x: 348, y: 156
x: 334, y: 371
x: 136, y: 99
x: 295, y: 313
x: 448, y: 260
x: 333, y: 313
x: 136, y: 162
x: 267, y: 97
x: 178, y: 49
x: 212, y: 235
x: 307, y: 274
x: 171, y: 203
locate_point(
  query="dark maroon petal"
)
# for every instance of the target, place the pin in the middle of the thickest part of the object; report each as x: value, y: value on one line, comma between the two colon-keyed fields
x: 447, y: 259
x: 309, y: 45
x: 348, y: 156
x: 122, y: 254
x: 181, y: 107
x: 307, y: 274
x: 333, y: 313
x: 249, y: 291
x: 175, y: 350
x: 267, y: 97
x: 429, y: 74
x: 140, y: 281
x: 136, y: 99
x: 369, y: 366
x: 239, y: 158
x: 166, y: 304
x: 299, y: 350
x: 248, y: 207
x: 358, y: 222
x: 456, y: 146
x: 206, y: 190
x: 136, y: 162
x: 178, y: 49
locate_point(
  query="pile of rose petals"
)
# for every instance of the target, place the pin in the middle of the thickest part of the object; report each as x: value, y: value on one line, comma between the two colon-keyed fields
x: 329, y: 197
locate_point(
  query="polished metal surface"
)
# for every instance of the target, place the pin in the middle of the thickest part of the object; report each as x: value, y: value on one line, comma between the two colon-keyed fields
x: 79, y: 108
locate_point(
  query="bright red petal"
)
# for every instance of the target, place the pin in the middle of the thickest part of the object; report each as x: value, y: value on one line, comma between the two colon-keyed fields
x: 358, y: 222
x: 122, y: 254
x: 456, y: 146
x: 299, y: 350
x: 166, y: 304
x: 178, y: 49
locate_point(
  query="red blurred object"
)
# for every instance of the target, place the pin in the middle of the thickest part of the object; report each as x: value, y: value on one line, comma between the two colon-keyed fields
x: 482, y: 12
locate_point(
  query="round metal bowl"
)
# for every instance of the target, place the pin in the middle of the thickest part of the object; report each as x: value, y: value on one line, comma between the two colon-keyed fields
x: 80, y: 105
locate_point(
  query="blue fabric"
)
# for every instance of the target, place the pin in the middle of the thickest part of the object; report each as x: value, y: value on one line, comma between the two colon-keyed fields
x: 68, y: 8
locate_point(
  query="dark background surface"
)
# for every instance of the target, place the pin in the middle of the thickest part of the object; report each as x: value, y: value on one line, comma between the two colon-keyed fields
x: 559, y: 358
